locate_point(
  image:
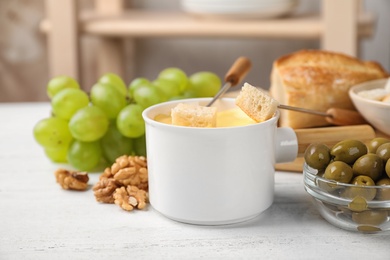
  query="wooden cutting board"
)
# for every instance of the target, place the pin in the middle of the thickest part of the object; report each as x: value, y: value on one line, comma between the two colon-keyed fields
x: 326, y: 135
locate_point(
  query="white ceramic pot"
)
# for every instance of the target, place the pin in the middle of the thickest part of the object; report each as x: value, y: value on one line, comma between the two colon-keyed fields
x: 213, y: 176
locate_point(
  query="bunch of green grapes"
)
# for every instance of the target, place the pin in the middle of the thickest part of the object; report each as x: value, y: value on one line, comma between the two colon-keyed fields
x: 90, y: 130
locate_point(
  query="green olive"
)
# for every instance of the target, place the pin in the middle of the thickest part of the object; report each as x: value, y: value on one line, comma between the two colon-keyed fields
x: 383, y: 194
x: 370, y: 217
x: 387, y: 168
x: 348, y: 151
x: 362, y: 188
x: 338, y: 171
x: 375, y: 143
x: 317, y: 156
x: 383, y: 151
x: 363, y: 180
x: 358, y: 203
x: 368, y: 229
x: 370, y: 165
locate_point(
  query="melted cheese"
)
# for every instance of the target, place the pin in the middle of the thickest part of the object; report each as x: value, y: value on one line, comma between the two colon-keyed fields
x: 227, y: 118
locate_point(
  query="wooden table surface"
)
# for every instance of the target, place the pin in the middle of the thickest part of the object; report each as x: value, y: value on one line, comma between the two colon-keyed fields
x: 39, y: 220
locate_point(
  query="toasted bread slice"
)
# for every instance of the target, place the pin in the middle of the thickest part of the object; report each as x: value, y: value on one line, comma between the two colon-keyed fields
x: 256, y: 103
x: 317, y: 80
x: 194, y: 115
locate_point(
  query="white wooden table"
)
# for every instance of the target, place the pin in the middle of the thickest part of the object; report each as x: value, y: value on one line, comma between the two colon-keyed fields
x: 39, y: 220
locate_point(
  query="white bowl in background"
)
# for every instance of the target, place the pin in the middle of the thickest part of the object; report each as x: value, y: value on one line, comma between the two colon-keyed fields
x: 376, y: 113
x: 240, y: 9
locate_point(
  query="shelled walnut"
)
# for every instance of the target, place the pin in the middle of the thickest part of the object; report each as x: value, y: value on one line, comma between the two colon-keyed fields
x: 130, y: 197
x: 104, y: 190
x: 131, y: 170
x: 72, y: 180
x: 125, y: 183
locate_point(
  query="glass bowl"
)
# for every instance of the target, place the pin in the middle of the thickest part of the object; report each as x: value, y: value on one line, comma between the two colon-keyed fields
x: 347, y: 206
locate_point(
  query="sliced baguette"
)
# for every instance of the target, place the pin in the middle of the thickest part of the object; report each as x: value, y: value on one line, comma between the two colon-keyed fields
x: 194, y: 115
x: 256, y: 103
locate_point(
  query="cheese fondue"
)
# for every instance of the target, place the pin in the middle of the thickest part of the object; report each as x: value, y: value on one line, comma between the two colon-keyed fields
x: 231, y: 117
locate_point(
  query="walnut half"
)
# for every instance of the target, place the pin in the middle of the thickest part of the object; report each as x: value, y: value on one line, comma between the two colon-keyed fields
x: 104, y: 190
x: 72, y: 180
x: 130, y: 170
x: 130, y: 197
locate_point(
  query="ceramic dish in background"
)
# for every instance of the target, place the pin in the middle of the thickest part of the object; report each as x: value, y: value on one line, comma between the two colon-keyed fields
x: 347, y: 206
x: 377, y: 113
x: 244, y: 9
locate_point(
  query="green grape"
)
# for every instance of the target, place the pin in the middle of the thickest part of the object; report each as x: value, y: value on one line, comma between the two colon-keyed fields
x: 114, y: 144
x: 140, y: 145
x: 168, y: 87
x: 59, y: 83
x: 148, y: 95
x: 115, y: 81
x: 176, y: 75
x: 57, y: 155
x: 189, y: 93
x: 52, y: 133
x: 108, y: 99
x: 88, y: 124
x: 205, y: 84
x: 84, y: 156
x: 66, y: 102
x: 135, y: 83
x: 176, y: 98
x: 130, y: 122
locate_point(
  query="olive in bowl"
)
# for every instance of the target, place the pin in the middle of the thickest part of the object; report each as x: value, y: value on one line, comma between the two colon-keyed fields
x: 347, y: 196
x: 355, y: 212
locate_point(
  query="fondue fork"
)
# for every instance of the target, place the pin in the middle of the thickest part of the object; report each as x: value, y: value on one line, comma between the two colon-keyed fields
x: 335, y: 116
x: 236, y: 73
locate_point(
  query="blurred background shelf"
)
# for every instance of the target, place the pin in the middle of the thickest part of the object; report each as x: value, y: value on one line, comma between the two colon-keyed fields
x: 339, y: 27
x: 139, y: 23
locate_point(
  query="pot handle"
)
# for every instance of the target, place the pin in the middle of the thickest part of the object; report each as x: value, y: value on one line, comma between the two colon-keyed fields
x: 286, y: 145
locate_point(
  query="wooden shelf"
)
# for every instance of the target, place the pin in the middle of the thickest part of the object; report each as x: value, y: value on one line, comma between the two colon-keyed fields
x: 147, y: 24
x: 338, y: 26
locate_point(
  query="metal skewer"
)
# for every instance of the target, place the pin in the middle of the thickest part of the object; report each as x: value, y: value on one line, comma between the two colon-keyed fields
x: 335, y: 116
x: 236, y: 73
x: 304, y: 110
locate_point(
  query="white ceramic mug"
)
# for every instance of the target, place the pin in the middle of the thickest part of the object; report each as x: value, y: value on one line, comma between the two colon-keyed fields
x: 213, y: 176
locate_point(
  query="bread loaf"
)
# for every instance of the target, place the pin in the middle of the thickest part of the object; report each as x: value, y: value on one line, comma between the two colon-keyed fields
x: 257, y: 104
x: 317, y: 80
x: 194, y: 115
